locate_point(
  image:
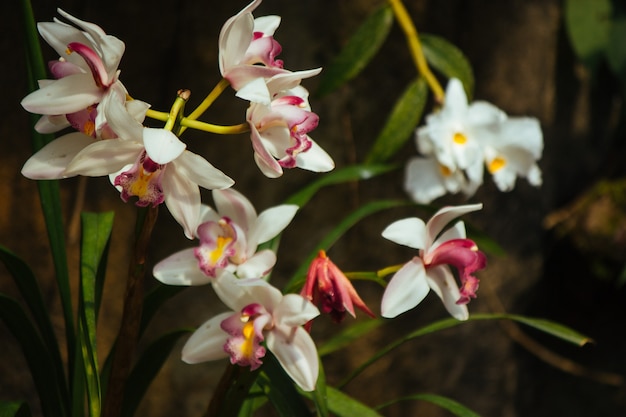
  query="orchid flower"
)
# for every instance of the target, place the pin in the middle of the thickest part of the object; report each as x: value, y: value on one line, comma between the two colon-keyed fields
x: 279, y: 131
x: 431, y: 268
x: 260, y: 314
x: 150, y: 164
x: 85, y: 73
x: 245, y: 42
x: 462, y: 138
x: 329, y: 288
x: 229, y: 239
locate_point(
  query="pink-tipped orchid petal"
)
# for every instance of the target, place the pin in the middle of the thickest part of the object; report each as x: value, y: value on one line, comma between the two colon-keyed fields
x: 66, y: 95
x: 409, y: 232
x: 182, y: 198
x: 266, y: 25
x: 407, y: 289
x: 50, y: 162
x: 296, y: 352
x: 180, y: 268
x: 162, y: 145
x: 257, y: 265
x: 315, y: 159
x: 457, y: 231
x: 207, y: 342
x: 442, y: 282
x: 271, y: 222
x: 94, y: 62
x: 235, y: 36
x: 104, y: 157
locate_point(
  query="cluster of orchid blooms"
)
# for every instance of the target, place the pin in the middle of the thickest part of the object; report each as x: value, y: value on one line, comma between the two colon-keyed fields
x: 153, y: 166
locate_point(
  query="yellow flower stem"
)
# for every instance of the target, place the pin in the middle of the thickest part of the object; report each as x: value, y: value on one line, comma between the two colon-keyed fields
x: 209, y: 99
x: 176, y: 112
x: 405, y: 22
x: 389, y: 270
x: 207, y: 127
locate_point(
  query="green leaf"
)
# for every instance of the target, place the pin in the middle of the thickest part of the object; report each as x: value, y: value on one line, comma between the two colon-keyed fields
x: 146, y: 368
x: 616, y: 47
x: 401, y: 122
x: 588, y: 25
x: 49, y: 193
x: 347, y: 174
x: 96, y: 232
x: 40, y: 362
x: 358, y: 51
x: 280, y: 389
x: 342, y: 405
x: 348, y: 335
x: 319, y: 396
x: 557, y: 330
x: 14, y: 409
x: 31, y: 293
x: 446, y: 403
x: 343, y: 226
x: 449, y: 60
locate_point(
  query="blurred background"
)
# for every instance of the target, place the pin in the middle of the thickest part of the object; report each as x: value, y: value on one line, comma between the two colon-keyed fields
x: 564, y: 242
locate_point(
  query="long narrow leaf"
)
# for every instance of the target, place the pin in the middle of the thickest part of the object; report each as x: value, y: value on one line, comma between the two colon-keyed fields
x: 449, y: 60
x: 49, y: 190
x: 342, y: 405
x: 348, y: 221
x: 358, y: 51
x: 401, y: 122
x: 14, y: 409
x: 547, y: 326
x: 96, y: 232
x: 446, y: 403
x: 146, y: 369
x: 280, y: 389
x: 348, y: 335
x: 31, y: 293
x: 347, y: 174
x: 39, y: 360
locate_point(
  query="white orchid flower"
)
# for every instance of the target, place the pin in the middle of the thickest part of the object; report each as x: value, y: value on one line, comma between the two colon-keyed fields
x: 430, y: 270
x: 279, y: 130
x: 229, y: 240
x: 260, y: 313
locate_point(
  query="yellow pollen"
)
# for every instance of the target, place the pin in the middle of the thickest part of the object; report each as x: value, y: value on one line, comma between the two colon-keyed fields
x: 140, y: 185
x: 445, y: 171
x: 89, y: 128
x: 248, y: 344
x: 459, y: 138
x: 215, y: 254
x: 496, y: 164
x: 68, y: 51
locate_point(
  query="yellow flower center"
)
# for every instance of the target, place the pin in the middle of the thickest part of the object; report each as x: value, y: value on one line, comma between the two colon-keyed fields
x: 247, y: 347
x: 459, y: 138
x: 139, y: 187
x: 216, y: 254
x: 445, y: 171
x: 496, y: 164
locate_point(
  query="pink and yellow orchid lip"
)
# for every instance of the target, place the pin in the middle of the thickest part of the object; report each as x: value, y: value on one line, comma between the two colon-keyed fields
x: 142, y: 180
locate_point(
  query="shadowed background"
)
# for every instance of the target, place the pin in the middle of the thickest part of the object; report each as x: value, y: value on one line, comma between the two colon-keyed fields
x: 523, y: 64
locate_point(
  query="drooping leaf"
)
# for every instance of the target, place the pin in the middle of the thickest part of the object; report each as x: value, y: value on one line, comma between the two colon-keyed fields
x: 339, y: 176
x: 448, y: 60
x: 14, y: 409
x: 38, y: 358
x: 348, y: 335
x: 446, y: 403
x: 343, y: 226
x: 358, y: 51
x: 588, y: 25
x: 146, y: 368
x: 401, y: 122
x: 342, y: 405
x: 555, y: 329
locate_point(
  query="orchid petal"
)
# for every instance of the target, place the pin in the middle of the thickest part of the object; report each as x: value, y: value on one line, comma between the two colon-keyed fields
x: 297, y: 354
x: 441, y: 281
x: 162, y: 146
x: 257, y: 265
x: 407, y: 289
x: 436, y: 224
x: 63, y: 96
x: 271, y: 222
x: 409, y: 232
x: 200, y: 171
x: 237, y: 296
x: 295, y: 310
x: 51, y: 123
x: 104, y: 157
x: 235, y: 36
x: 51, y: 161
x: 207, y: 342
x: 315, y: 159
x: 180, y: 268
x: 234, y: 205
x: 423, y: 180
x: 119, y: 119
x: 182, y: 198
x: 267, y: 25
